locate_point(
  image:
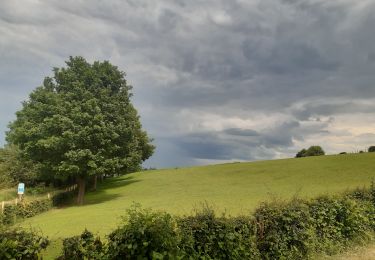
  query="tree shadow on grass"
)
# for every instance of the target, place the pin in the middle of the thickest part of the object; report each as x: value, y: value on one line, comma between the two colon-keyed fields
x: 102, y: 195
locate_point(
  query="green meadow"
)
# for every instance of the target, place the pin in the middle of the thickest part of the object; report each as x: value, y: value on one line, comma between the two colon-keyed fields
x: 234, y: 188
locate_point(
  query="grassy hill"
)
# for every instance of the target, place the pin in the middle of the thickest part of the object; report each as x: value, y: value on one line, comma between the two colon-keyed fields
x: 235, y: 188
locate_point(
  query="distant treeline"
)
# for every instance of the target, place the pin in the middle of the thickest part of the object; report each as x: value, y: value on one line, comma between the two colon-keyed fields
x: 318, y: 151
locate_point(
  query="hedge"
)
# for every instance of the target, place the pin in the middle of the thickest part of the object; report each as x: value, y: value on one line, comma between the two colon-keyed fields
x: 297, y: 229
x: 28, y: 209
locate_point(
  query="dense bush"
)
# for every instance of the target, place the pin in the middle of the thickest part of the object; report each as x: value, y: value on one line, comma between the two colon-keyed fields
x: 145, y: 235
x: 85, y: 246
x: 20, y: 244
x: 338, y: 221
x: 285, y: 230
x: 28, y: 209
x: 25, y: 209
x: 205, y: 236
x: 371, y: 149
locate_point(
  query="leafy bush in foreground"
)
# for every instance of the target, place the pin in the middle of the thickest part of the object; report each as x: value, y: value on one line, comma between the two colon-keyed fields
x: 205, y: 236
x: 144, y: 234
x: 85, y: 246
x: 19, y: 244
x: 285, y: 230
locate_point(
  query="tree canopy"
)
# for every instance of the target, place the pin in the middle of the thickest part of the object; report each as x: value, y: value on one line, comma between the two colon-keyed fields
x: 314, y: 150
x: 81, y: 123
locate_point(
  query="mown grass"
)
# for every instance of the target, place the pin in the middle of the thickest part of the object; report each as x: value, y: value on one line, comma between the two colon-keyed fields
x: 236, y: 188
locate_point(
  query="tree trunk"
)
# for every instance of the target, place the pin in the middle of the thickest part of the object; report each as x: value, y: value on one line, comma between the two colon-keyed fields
x: 95, y: 182
x: 81, y: 190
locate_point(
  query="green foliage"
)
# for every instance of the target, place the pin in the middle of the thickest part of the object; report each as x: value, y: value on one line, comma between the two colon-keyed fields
x: 15, y: 168
x: 13, y: 212
x: 285, y: 230
x: 205, y: 236
x: 81, y: 123
x: 144, y: 235
x: 338, y: 221
x: 85, y: 246
x: 312, y: 151
x: 20, y: 244
x: 297, y: 229
x: 301, y: 153
x: 371, y: 149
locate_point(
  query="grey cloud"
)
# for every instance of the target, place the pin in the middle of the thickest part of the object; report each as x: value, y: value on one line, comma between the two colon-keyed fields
x: 241, y: 132
x: 317, y: 109
x: 244, y: 144
x: 230, y: 59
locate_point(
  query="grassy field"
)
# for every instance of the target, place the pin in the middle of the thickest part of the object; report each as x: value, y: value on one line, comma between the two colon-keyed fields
x: 236, y: 188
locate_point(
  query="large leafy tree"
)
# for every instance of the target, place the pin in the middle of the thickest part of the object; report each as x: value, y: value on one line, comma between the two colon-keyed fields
x: 81, y: 123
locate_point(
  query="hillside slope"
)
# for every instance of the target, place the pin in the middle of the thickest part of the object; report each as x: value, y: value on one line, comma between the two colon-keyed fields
x: 236, y: 188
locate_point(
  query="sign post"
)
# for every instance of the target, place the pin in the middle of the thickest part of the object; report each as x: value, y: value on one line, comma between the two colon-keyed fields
x: 21, y: 190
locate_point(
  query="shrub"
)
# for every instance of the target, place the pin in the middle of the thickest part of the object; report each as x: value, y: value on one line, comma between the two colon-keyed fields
x: 204, y: 236
x: 20, y: 244
x: 144, y: 234
x: 85, y: 246
x: 285, y: 230
x: 371, y: 149
x: 338, y: 221
x: 24, y: 209
x: 33, y: 208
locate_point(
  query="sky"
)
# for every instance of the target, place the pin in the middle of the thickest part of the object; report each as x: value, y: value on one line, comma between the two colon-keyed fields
x: 213, y: 81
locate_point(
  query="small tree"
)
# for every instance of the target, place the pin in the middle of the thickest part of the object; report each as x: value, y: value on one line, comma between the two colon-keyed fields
x: 301, y: 153
x: 371, y: 149
x: 315, y: 151
x: 81, y: 123
x: 312, y: 151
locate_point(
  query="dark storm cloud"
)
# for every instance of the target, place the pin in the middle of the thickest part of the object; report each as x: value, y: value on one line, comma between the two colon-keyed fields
x: 213, y: 80
x: 244, y: 144
x: 333, y: 108
x: 241, y: 132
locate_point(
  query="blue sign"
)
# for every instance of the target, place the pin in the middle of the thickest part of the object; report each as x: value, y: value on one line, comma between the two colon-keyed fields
x: 21, y: 188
